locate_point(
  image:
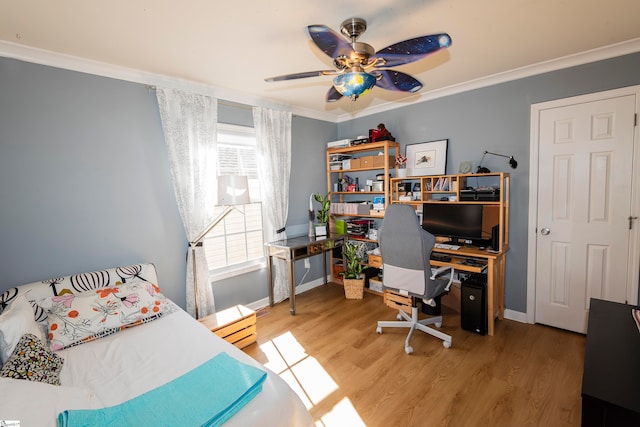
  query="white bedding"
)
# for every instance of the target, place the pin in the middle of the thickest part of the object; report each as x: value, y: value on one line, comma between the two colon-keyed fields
x: 122, y: 366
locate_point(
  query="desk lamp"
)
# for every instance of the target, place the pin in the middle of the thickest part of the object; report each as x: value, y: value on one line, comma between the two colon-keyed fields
x: 233, y: 190
x: 481, y: 169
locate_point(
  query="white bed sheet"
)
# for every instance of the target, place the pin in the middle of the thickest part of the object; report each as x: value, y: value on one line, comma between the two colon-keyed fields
x: 122, y: 366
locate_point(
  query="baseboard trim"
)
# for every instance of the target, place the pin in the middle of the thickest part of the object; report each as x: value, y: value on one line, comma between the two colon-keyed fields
x: 264, y: 302
x: 518, y: 316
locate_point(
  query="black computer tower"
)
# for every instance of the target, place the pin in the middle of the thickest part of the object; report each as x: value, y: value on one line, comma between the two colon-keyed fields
x: 473, y: 316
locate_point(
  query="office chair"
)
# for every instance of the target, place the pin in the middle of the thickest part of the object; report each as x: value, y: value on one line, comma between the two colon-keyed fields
x: 406, y: 249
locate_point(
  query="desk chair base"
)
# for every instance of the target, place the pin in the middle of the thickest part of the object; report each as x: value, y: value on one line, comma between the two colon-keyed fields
x: 412, y: 322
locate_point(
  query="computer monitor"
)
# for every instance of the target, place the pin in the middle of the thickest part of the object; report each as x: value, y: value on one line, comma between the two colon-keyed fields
x: 455, y: 221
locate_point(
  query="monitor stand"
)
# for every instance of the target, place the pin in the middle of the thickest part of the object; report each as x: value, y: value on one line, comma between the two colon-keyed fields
x: 458, y: 242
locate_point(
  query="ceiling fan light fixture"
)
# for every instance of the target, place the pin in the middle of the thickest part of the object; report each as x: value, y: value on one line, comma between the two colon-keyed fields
x: 354, y: 84
x: 444, y: 40
x: 359, y: 67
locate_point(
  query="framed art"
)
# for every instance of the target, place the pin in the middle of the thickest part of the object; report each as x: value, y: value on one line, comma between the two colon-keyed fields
x: 427, y: 158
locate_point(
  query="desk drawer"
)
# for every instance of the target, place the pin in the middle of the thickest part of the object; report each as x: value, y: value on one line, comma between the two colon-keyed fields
x: 397, y: 301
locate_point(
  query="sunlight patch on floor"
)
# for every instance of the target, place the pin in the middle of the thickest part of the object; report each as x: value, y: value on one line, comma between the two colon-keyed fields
x: 316, y: 382
x: 310, y: 381
x: 343, y: 414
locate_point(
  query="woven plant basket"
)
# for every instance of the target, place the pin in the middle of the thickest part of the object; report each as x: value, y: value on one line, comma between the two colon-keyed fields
x: 354, y: 288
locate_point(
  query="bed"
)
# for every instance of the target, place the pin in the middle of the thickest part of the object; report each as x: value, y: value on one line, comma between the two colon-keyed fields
x: 110, y: 338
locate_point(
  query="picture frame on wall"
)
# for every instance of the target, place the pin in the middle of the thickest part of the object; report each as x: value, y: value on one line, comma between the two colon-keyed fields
x: 427, y: 158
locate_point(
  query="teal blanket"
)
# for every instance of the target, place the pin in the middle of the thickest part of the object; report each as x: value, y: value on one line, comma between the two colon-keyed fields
x: 206, y: 396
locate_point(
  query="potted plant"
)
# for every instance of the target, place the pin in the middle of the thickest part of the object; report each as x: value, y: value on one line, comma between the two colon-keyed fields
x: 322, y: 216
x: 401, y: 164
x: 353, y: 279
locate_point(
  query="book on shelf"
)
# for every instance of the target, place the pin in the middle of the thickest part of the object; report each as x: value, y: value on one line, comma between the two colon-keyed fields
x: 442, y: 184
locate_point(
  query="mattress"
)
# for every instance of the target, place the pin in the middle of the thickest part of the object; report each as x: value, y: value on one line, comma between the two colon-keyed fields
x: 119, y: 367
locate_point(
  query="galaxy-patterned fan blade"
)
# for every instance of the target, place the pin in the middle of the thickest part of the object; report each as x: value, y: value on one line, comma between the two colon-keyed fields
x: 412, y: 50
x: 303, y: 75
x: 333, y: 95
x: 395, y: 80
x: 330, y: 42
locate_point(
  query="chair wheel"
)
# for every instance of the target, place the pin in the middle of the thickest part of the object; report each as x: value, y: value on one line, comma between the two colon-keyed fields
x: 379, y: 329
x: 408, y: 349
x: 446, y: 344
x: 438, y: 324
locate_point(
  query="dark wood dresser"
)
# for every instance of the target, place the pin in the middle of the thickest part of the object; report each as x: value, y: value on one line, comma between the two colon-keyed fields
x: 611, y: 378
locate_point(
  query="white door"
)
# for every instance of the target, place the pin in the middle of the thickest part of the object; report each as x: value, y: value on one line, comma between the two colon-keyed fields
x: 585, y: 164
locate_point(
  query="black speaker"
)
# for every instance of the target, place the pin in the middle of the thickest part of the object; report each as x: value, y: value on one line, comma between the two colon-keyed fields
x: 473, y: 305
x: 495, y: 238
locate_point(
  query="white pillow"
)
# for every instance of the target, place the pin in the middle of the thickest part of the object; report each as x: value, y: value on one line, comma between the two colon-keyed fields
x: 16, y: 321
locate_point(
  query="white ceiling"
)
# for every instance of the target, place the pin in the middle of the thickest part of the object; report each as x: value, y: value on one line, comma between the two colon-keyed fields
x: 230, y: 47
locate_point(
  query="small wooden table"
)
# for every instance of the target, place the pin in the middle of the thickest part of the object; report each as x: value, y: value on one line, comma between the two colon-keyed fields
x: 236, y: 325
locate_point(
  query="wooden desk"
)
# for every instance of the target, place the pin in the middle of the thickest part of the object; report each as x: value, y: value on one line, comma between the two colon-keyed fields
x: 610, y: 392
x: 496, y: 264
x: 293, y: 249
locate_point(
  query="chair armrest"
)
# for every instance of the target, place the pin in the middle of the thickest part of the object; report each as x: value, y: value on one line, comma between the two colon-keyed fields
x: 442, y: 271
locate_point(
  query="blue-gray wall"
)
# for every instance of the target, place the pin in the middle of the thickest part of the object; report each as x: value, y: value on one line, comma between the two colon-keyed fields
x: 496, y: 119
x: 85, y: 182
x: 84, y: 178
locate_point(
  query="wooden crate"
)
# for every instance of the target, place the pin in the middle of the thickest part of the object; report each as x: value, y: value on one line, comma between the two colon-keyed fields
x: 236, y: 325
x: 336, y: 269
x: 397, y: 301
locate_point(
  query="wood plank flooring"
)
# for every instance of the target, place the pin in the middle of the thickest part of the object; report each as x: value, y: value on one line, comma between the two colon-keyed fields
x: 348, y: 375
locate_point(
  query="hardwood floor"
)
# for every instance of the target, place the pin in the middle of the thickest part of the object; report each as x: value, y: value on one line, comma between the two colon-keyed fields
x: 348, y: 375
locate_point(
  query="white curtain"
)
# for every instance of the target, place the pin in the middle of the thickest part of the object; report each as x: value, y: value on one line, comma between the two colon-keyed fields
x: 189, y: 125
x: 273, y: 139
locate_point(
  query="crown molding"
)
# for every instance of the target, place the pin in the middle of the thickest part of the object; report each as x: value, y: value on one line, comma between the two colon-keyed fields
x: 74, y: 63
x: 88, y: 66
x: 599, y: 54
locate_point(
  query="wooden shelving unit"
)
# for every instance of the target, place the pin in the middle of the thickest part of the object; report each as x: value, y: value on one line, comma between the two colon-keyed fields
x: 490, y: 190
x: 461, y: 188
x: 366, y: 162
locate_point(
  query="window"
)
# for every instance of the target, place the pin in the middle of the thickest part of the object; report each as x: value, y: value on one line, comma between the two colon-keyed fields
x: 235, y: 245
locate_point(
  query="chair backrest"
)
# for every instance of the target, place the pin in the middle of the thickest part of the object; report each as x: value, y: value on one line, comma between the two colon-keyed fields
x: 406, y: 249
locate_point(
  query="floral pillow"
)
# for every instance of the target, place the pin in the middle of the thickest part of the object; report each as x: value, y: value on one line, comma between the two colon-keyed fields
x: 32, y: 361
x: 74, y: 319
x: 76, y: 283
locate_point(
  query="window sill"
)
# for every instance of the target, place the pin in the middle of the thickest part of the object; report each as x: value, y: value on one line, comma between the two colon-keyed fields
x: 237, y: 270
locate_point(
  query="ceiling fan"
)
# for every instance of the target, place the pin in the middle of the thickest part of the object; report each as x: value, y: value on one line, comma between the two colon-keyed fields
x: 359, y: 67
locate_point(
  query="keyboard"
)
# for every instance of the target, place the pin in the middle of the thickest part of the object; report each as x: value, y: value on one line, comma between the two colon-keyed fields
x: 447, y: 246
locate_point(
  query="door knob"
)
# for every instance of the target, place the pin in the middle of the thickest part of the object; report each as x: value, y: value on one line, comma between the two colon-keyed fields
x: 545, y: 231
